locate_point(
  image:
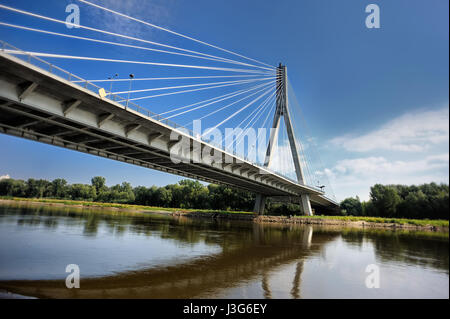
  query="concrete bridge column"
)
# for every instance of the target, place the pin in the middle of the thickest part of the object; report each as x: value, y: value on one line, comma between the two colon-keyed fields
x: 260, y: 204
x: 306, y: 205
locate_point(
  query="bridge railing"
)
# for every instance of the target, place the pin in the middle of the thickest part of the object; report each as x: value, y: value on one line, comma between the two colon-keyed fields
x: 53, y: 69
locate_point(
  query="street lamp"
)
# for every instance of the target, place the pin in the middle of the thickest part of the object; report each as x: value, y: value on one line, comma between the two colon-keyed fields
x: 129, y: 90
x: 111, y: 78
x: 322, y: 187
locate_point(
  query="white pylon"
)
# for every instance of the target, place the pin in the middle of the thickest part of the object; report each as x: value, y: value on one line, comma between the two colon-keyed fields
x: 282, y: 109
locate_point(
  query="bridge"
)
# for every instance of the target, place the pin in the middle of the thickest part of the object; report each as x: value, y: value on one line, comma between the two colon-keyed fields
x: 42, y: 102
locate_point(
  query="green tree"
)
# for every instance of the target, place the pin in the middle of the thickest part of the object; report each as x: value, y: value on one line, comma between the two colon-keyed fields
x: 59, y: 188
x: 11, y: 187
x: 142, y: 195
x: 164, y: 197
x: 99, y: 183
x: 352, y: 206
x: 385, y: 200
x: 82, y: 192
x: 37, y: 188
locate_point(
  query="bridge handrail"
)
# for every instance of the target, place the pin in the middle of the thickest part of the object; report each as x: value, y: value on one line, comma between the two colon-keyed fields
x: 53, y: 69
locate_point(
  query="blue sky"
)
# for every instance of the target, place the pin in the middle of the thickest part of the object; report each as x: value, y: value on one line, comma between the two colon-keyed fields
x: 376, y: 100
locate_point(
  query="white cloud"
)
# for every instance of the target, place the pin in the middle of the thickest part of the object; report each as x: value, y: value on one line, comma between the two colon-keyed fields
x: 158, y: 14
x: 4, y: 177
x: 351, y: 177
x: 411, y: 132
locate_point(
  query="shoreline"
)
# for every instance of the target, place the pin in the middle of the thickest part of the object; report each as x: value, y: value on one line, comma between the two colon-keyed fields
x: 316, y: 221
x: 250, y: 217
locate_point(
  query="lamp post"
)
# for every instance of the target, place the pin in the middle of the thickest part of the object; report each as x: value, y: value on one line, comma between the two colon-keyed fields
x: 129, y: 90
x: 111, y: 78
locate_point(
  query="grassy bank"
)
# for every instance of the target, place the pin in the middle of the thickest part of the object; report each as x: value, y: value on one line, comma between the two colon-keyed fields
x: 376, y: 220
x: 119, y: 206
x: 400, y: 221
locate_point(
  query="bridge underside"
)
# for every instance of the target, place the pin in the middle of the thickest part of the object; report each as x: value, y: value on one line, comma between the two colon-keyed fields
x: 39, y: 106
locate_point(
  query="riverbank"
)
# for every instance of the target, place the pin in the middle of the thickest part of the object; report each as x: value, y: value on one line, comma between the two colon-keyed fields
x: 337, y: 221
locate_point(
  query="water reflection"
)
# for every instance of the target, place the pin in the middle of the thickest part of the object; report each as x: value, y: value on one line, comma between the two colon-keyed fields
x: 401, y: 247
x: 213, y: 258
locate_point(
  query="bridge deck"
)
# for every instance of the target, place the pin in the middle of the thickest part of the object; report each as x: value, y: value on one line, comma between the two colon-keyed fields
x: 38, y: 105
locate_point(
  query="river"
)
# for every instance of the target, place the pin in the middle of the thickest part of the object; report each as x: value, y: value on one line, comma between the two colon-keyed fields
x: 122, y: 255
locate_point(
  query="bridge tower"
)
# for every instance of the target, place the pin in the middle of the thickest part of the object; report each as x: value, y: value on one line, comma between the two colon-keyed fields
x: 282, y: 109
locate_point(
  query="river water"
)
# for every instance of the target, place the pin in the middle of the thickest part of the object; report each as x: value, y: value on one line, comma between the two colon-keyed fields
x: 157, y: 256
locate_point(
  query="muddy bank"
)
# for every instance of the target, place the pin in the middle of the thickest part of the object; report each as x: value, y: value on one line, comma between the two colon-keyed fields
x: 311, y: 221
x: 360, y: 224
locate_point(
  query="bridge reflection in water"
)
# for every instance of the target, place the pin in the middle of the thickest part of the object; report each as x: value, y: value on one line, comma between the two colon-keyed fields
x: 247, y: 254
x: 207, y: 258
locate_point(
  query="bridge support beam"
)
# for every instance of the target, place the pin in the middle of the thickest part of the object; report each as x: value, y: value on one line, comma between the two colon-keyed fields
x: 260, y: 204
x: 306, y: 205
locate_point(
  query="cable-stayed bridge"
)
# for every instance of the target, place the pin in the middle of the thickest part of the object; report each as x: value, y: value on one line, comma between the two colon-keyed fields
x: 251, y: 137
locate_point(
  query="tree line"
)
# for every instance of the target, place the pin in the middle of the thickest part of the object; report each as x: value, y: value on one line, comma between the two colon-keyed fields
x: 427, y: 201
x: 185, y: 194
x: 394, y: 201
